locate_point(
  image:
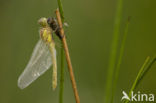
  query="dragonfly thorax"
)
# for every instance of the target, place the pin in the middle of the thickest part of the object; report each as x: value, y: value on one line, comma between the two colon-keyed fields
x: 45, y: 34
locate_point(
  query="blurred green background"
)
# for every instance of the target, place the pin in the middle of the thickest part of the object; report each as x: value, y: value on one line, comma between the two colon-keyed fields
x: 89, y: 37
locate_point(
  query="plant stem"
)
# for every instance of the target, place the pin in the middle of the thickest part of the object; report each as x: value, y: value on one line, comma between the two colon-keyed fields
x: 61, y: 10
x: 116, y: 75
x: 145, y: 67
x: 62, y: 57
x: 61, y: 77
x: 70, y: 69
x: 113, y: 52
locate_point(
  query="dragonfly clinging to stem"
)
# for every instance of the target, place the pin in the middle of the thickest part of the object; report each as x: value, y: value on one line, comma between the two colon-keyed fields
x: 43, y: 56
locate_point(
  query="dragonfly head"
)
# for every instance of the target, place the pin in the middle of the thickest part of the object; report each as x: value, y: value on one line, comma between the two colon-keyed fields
x: 43, y: 22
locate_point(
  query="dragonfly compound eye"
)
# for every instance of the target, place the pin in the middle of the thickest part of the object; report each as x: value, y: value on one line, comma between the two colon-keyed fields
x: 49, y: 20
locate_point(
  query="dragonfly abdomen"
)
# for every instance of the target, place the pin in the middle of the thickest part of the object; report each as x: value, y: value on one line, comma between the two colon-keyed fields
x: 53, y: 55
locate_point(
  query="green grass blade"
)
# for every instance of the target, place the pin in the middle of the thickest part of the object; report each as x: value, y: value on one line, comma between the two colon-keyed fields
x: 61, y: 10
x: 61, y: 78
x: 142, y: 72
x: 113, y: 52
x: 146, y: 69
x: 138, y: 76
x: 62, y: 57
x: 116, y: 75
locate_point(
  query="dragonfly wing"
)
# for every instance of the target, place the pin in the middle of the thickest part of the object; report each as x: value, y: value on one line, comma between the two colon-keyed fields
x: 40, y: 61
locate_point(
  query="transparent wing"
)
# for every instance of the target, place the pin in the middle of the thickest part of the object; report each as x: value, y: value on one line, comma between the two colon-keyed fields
x: 40, y: 61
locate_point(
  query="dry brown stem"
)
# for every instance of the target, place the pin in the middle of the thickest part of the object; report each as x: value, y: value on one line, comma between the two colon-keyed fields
x: 65, y: 46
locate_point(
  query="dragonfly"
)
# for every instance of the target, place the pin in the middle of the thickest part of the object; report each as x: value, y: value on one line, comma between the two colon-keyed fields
x: 43, y: 56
